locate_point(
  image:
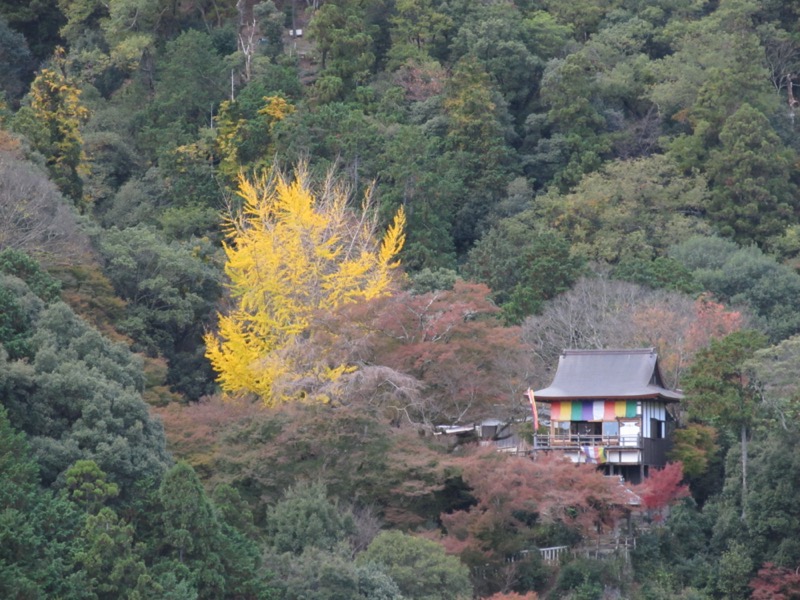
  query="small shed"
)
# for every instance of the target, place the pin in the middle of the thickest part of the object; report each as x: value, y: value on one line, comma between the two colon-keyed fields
x: 609, y: 407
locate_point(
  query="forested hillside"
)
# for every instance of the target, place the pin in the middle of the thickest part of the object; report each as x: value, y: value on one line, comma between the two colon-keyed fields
x: 253, y: 253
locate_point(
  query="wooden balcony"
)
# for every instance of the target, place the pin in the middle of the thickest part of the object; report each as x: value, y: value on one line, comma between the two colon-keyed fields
x: 566, y: 441
x: 622, y: 450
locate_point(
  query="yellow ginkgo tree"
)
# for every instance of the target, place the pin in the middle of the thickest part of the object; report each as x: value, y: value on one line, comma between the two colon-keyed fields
x: 293, y: 253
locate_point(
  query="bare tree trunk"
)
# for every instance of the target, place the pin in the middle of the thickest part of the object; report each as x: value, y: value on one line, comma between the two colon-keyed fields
x: 744, y: 471
x: 147, y: 69
x: 792, y: 101
x: 246, y: 38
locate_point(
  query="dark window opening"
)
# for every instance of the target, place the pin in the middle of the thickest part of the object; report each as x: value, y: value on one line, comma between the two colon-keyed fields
x: 656, y: 429
x: 586, y: 428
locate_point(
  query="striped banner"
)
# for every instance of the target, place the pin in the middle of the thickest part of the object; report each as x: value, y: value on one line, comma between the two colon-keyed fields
x: 609, y: 414
x: 592, y: 410
x: 566, y: 411
x: 577, y: 411
x: 598, y: 410
x: 587, y: 411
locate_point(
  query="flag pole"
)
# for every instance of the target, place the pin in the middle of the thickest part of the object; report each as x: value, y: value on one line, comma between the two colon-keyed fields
x: 529, y: 394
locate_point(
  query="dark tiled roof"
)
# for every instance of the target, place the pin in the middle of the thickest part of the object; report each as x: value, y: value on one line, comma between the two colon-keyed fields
x: 607, y: 374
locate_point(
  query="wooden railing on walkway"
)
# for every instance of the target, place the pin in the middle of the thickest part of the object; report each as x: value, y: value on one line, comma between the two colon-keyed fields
x: 552, y: 555
x: 547, y: 441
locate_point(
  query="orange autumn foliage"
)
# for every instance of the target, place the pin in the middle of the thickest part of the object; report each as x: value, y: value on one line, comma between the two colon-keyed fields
x: 678, y: 335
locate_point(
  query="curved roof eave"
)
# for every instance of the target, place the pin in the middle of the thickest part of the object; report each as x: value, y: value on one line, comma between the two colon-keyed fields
x: 609, y: 374
x: 672, y: 397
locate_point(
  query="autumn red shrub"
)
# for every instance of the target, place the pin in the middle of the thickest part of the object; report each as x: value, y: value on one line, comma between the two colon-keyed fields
x: 662, y: 488
x: 516, y: 495
x: 775, y: 583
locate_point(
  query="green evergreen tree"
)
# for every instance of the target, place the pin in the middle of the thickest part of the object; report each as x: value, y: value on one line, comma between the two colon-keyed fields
x: 719, y: 391
x: 746, y: 276
x: 412, y: 172
x: 498, y: 37
x: 190, y: 525
x: 475, y: 139
x: 344, y: 34
x: 107, y: 558
x: 191, y: 530
x: 192, y: 80
x: 523, y: 264
x: 37, y: 530
x: 304, y: 518
x: 714, y: 69
x: 17, y: 62
x: 18, y: 309
x: 753, y: 197
x: 770, y: 530
x: 39, y: 22
x: 79, y: 398
x: 418, y: 28
x: 419, y: 567
x: 170, y: 289
x: 87, y: 487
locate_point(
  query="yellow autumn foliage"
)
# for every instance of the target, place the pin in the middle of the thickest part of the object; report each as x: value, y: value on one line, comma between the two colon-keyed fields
x: 290, y: 254
x: 276, y: 108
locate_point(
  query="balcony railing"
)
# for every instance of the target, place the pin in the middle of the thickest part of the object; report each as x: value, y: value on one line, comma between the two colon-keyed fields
x: 562, y: 441
x: 653, y: 452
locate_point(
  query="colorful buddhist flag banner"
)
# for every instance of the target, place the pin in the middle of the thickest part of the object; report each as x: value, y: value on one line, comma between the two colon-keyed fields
x: 592, y: 410
x: 587, y: 411
x: 594, y: 454
x: 598, y: 410
x: 609, y: 412
x: 577, y: 411
x: 560, y: 411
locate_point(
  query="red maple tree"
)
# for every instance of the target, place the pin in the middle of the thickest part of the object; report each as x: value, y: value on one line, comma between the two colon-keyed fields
x: 444, y: 357
x: 662, y: 489
x: 712, y: 321
x: 775, y: 583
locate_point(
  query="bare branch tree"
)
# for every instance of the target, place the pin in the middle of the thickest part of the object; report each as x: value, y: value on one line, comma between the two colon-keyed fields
x: 604, y: 313
x: 35, y: 218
